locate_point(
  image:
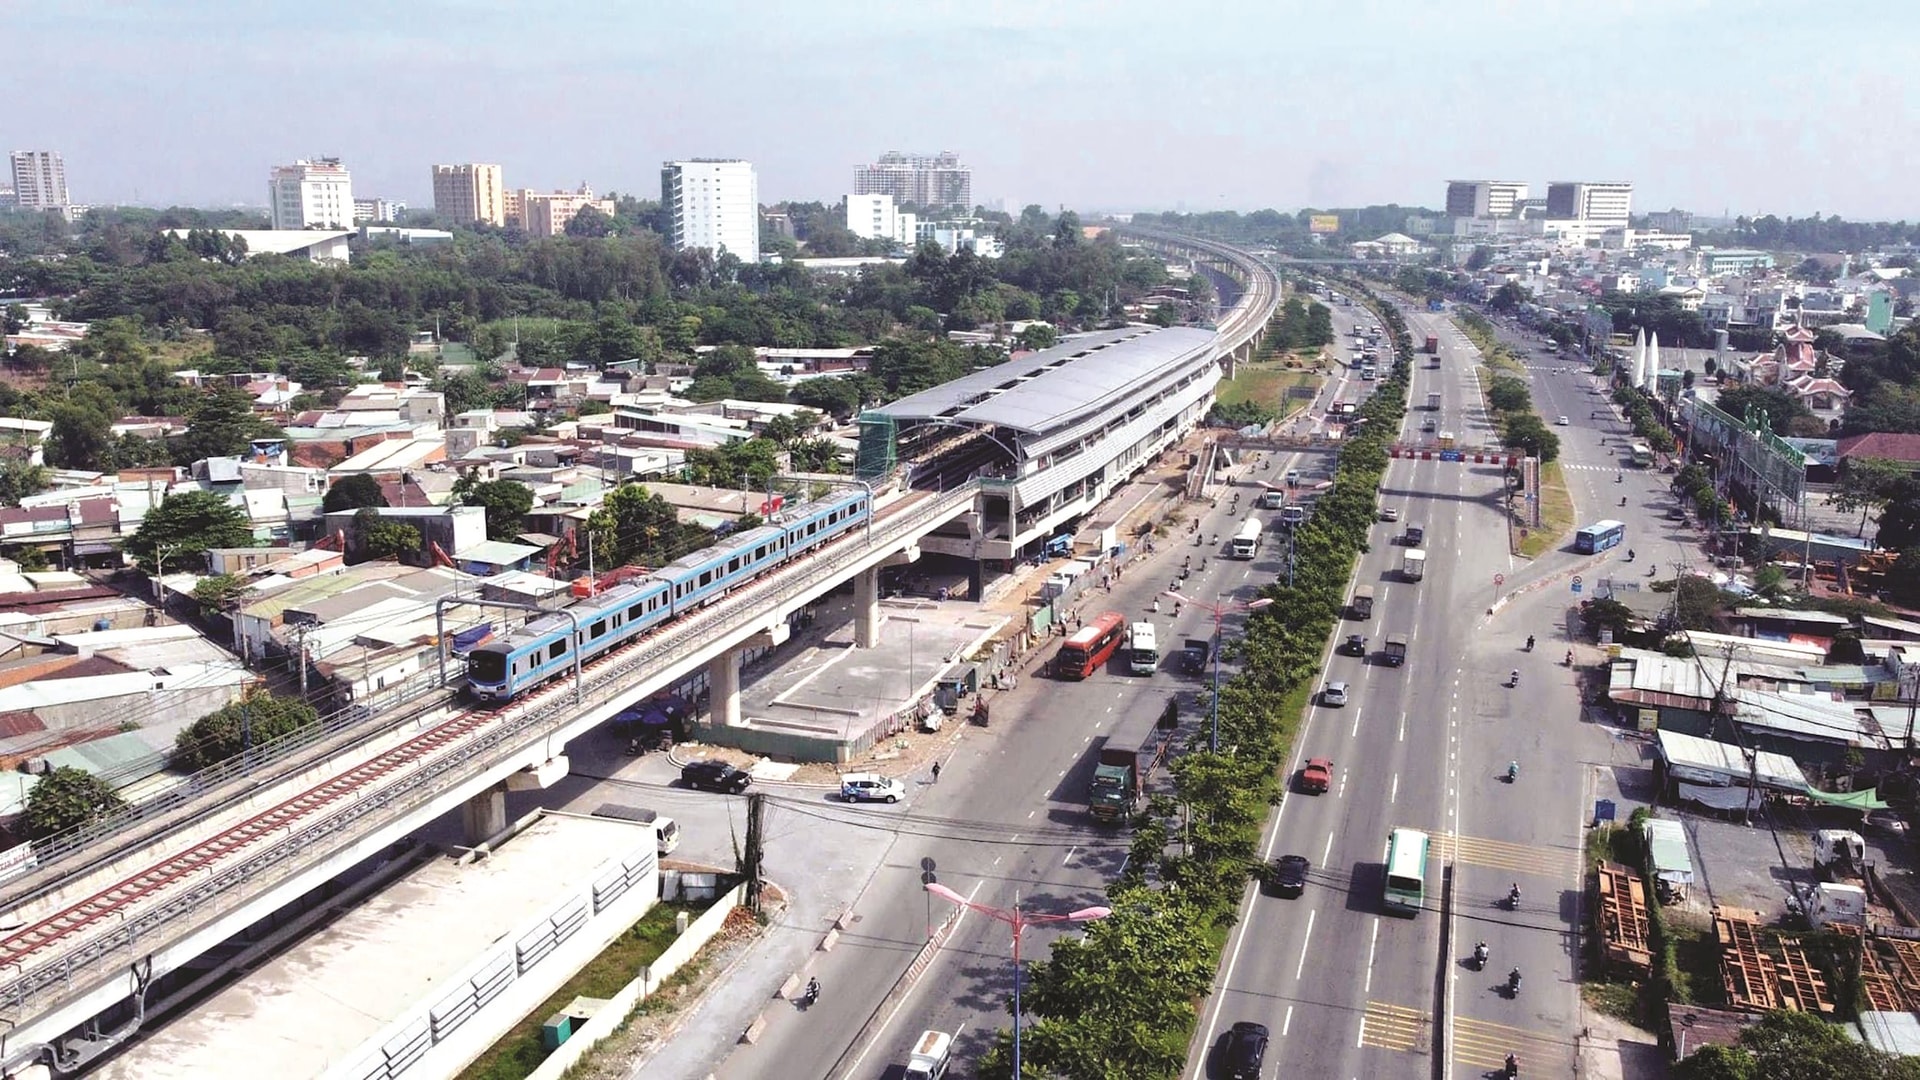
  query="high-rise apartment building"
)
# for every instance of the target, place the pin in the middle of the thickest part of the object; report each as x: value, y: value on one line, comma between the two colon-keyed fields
x: 39, y: 180
x: 714, y: 204
x: 934, y: 181
x: 469, y: 194
x: 1604, y: 203
x: 316, y: 194
x: 547, y: 213
x: 1484, y: 198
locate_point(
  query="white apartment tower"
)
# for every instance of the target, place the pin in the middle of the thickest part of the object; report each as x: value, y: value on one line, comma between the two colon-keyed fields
x: 875, y: 217
x: 39, y: 180
x: 926, y: 180
x: 1484, y: 198
x: 469, y: 194
x: 715, y: 204
x: 1604, y: 203
x: 315, y: 194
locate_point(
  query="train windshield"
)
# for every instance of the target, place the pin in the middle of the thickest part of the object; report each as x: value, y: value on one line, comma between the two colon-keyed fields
x: 487, y: 667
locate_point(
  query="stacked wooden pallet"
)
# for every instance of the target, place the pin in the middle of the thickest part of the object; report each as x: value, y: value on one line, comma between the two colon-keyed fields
x: 1745, y: 969
x: 1623, y: 918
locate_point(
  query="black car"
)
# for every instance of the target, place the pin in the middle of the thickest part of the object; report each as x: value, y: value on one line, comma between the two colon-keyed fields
x: 1290, y: 875
x: 1246, y: 1050
x: 1355, y: 645
x: 715, y: 776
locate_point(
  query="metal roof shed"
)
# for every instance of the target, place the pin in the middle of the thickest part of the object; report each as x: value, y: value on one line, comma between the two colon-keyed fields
x: 1667, y: 843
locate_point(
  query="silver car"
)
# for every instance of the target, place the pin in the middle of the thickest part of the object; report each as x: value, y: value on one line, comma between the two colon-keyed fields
x: 871, y: 787
x: 1334, y: 694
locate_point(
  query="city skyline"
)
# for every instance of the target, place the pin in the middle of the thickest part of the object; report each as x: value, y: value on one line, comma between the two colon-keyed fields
x: 1061, y: 105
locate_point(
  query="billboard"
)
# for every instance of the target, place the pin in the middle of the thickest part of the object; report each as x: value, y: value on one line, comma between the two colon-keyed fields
x: 1323, y: 223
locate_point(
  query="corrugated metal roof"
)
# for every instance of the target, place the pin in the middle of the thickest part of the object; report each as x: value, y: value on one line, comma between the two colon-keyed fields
x: 1809, y: 716
x: 1712, y: 759
x: 1038, y: 392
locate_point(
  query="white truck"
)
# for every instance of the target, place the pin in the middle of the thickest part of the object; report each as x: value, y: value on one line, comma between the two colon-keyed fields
x: 1413, y: 565
x: 1832, y: 903
x: 932, y: 1053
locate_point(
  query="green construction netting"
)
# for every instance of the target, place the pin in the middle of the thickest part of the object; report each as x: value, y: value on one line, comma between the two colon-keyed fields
x: 878, y: 442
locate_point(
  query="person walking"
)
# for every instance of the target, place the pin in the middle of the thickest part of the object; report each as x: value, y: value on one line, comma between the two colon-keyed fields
x: 936, y: 772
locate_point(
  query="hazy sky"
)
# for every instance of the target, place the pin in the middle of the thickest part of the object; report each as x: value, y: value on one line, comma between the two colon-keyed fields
x: 1760, y: 106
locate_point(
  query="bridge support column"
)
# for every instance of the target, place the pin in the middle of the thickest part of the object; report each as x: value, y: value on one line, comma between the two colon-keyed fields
x: 723, y: 688
x: 866, y: 608
x: 485, y: 815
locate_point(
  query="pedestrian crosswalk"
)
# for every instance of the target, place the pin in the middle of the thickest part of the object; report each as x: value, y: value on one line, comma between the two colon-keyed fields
x: 1558, y: 863
x: 1484, y: 1044
x: 1386, y: 1026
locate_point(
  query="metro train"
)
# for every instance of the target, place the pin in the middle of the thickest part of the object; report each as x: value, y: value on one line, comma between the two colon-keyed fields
x: 519, y: 661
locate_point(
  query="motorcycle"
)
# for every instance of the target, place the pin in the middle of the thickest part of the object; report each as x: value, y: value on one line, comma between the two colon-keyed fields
x: 1529, y: 642
x: 1513, y: 678
x: 1513, y: 898
x: 1513, y: 982
x: 1513, y: 772
x: 1513, y: 1064
x: 1480, y: 954
x: 811, y: 994
x: 1569, y: 660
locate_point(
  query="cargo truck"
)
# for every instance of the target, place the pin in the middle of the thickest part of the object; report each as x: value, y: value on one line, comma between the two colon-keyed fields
x: 1196, y: 654
x: 1413, y: 565
x: 932, y: 1053
x: 1433, y: 402
x: 1362, y: 605
x: 1395, y: 652
x: 1129, y: 756
x: 1433, y: 344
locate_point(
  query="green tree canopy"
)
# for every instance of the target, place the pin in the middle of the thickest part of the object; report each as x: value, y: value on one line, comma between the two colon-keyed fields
x: 352, y: 493
x: 506, y: 503
x: 224, y: 733
x: 383, y: 539
x: 1781, y: 408
x: 67, y: 798
x: 181, y: 529
x: 1866, y: 485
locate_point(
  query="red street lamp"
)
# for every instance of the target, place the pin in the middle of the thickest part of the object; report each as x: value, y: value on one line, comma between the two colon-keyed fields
x: 1220, y: 610
x: 1019, y: 920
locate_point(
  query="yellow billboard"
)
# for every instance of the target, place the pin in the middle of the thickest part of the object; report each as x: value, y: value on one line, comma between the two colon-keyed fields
x: 1323, y: 223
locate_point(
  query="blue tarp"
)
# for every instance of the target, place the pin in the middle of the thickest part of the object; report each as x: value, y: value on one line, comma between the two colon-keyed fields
x: 466, y: 640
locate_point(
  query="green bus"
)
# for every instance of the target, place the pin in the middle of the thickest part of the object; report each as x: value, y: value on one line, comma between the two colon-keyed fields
x: 1406, y: 885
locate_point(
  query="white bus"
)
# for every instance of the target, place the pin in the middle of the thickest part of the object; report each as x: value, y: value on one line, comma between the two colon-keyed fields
x: 1247, y: 540
x: 1405, y: 891
x: 1143, y: 652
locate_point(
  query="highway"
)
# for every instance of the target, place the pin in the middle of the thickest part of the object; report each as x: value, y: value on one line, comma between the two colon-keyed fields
x: 1008, y: 821
x: 1345, y: 990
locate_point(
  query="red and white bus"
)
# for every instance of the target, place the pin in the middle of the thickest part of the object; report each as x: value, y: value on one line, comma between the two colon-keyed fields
x: 1091, y: 646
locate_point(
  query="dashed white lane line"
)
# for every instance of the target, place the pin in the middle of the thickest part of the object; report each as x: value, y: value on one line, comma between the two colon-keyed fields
x: 1304, y: 939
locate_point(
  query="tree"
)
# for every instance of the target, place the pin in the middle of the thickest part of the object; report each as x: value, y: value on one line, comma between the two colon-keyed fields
x: 1696, y: 602
x: 82, y: 436
x: 1508, y: 394
x: 1525, y: 431
x: 1480, y: 257
x: 506, y: 503
x: 253, y: 720
x: 589, y: 221
x: 19, y: 480
x: 1787, y: 1044
x: 220, y: 592
x: 1900, y: 520
x: 1037, y: 336
x: 352, y: 493
x: 1606, y: 614
x: 383, y: 539
x: 15, y: 319
x: 635, y: 525
x: 1866, y: 485
x: 182, y: 528
x: 221, y: 424
x: 1507, y: 298
x: 1779, y: 406
x: 68, y: 798
x: 1904, y: 582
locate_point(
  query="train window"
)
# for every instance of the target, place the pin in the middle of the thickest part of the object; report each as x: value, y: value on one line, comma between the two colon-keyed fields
x: 599, y: 627
x: 556, y: 650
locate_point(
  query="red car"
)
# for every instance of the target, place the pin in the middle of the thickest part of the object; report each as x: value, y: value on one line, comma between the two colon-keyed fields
x: 1316, y: 776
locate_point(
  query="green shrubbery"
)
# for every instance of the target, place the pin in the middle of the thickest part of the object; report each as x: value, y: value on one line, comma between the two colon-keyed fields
x: 1120, y: 1003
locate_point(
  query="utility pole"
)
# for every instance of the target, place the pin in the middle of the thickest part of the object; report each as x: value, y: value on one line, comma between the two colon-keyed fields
x: 300, y: 636
x: 753, y: 853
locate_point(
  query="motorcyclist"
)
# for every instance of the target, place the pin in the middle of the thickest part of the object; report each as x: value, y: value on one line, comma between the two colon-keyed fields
x: 1513, y: 980
x: 1619, y: 478
x: 1569, y: 657
x: 1480, y: 954
x: 1629, y: 554
x: 1513, y: 677
x: 813, y: 991
x: 1513, y: 894
x: 1513, y: 770
x: 1623, y: 500
x: 1513, y: 1067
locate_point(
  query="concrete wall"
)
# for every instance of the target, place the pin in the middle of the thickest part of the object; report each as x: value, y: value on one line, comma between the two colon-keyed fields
x: 621, y: 1005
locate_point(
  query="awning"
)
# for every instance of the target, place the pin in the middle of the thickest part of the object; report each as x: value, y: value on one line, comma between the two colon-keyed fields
x: 1852, y: 800
x: 1739, y: 797
x: 94, y: 547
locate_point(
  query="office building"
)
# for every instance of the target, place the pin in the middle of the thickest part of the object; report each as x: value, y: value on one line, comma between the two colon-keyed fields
x: 875, y: 217
x: 39, y: 180
x: 469, y: 194
x: 377, y: 209
x: 546, y: 213
x: 714, y: 204
x: 929, y: 181
x: 1484, y: 198
x: 316, y: 194
x: 1607, y: 203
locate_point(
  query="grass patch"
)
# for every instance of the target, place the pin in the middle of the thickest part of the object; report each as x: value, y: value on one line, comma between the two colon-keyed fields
x: 1696, y: 962
x: 519, y: 1051
x: 1265, y: 384
x: 1618, y: 1000
x: 1556, y: 513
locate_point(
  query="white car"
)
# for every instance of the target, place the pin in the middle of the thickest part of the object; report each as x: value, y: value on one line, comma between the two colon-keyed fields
x: 1334, y: 694
x: 1560, y: 421
x: 871, y: 787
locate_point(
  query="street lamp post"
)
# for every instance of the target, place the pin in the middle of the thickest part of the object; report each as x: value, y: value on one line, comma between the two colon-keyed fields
x: 1019, y: 920
x: 1219, y: 609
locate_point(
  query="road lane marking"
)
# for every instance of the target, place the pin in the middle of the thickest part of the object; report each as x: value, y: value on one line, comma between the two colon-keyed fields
x: 1403, y: 726
x: 1326, y: 850
x: 1393, y: 796
x: 1539, y: 859
x: 1484, y: 1044
x: 1385, y: 1026
x: 1356, y: 725
x: 1373, y: 945
x: 1304, y: 939
x: 880, y: 1032
x: 1287, y: 1024
x: 1068, y: 861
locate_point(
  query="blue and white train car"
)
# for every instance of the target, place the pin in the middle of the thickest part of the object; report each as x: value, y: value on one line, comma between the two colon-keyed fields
x: 816, y: 523
x: 702, y: 577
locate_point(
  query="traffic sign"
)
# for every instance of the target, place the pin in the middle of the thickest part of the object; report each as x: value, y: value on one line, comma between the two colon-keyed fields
x: 1576, y: 581
x: 1499, y: 580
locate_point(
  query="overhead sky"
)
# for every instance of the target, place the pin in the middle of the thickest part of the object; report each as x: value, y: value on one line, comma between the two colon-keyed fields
x: 1762, y: 106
